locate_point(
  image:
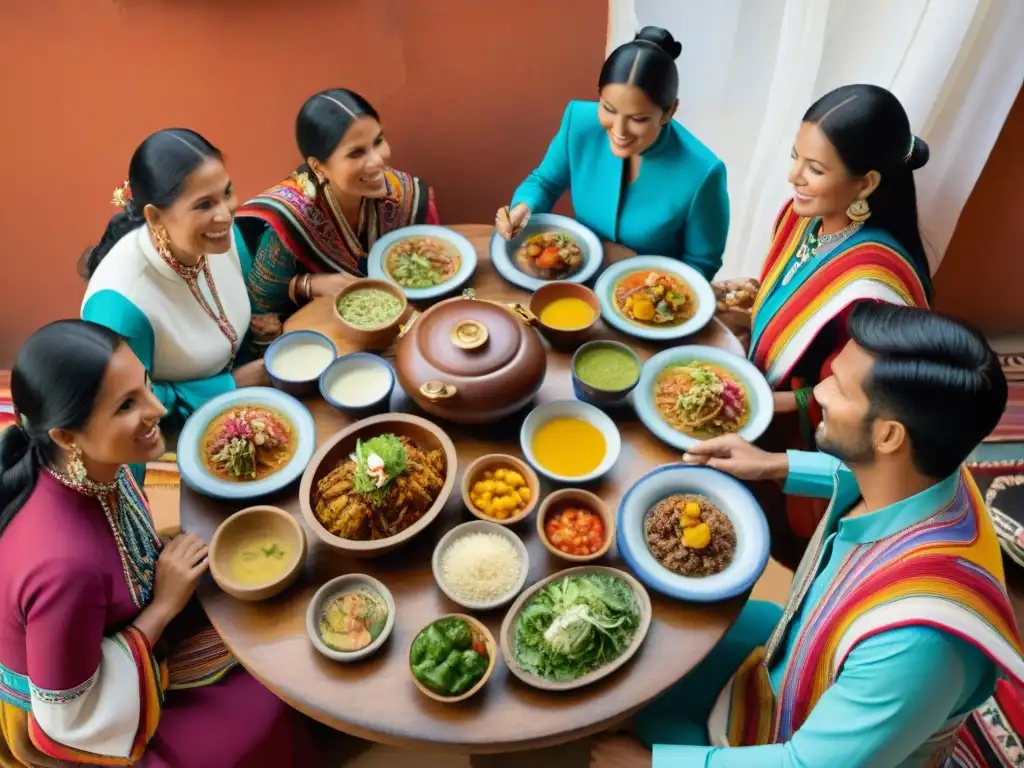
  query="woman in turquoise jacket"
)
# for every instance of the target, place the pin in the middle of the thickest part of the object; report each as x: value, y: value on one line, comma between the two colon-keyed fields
x: 637, y: 177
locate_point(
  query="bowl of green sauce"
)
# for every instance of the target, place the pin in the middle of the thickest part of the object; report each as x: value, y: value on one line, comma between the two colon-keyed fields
x: 370, y: 312
x: 605, y: 372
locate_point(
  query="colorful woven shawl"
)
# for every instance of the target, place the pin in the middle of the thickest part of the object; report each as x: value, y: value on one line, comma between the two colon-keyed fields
x: 311, y: 232
x: 944, y: 572
x: 860, y: 269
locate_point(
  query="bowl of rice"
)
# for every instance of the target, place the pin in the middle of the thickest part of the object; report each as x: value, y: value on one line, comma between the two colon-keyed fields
x: 480, y: 565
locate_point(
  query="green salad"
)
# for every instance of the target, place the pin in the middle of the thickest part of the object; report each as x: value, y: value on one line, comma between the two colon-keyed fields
x: 446, y: 659
x: 576, y: 625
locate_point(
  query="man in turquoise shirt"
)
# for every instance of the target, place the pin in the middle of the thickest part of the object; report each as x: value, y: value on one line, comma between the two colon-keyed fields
x: 909, y: 398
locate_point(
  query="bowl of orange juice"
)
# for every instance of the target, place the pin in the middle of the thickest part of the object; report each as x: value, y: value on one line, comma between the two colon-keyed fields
x: 570, y: 441
x: 565, y: 312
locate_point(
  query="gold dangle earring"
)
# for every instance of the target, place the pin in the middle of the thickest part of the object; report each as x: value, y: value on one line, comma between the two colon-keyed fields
x: 163, y: 242
x: 74, y: 465
x: 859, y: 210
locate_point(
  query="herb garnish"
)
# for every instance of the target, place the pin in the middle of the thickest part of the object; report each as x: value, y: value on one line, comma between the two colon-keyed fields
x: 391, y: 452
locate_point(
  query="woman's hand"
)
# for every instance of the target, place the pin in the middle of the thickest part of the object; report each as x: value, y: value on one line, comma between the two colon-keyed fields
x: 178, y: 569
x: 619, y: 752
x: 735, y: 456
x: 181, y: 564
x: 330, y: 285
x: 252, y: 374
x: 785, y: 402
x: 510, y: 223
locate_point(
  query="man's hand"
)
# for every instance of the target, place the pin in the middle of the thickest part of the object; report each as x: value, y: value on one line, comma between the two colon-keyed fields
x: 735, y: 456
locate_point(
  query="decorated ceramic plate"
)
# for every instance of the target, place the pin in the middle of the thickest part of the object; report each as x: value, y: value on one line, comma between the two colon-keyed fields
x: 653, y: 548
x: 550, y: 248
x: 426, y: 261
x: 655, y: 297
x: 246, y: 444
x: 740, y: 394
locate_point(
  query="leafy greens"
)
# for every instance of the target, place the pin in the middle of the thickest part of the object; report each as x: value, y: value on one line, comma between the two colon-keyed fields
x: 576, y: 625
x: 392, y: 452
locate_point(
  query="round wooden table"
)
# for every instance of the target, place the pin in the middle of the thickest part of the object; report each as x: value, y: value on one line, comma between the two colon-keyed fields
x: 376, y: 700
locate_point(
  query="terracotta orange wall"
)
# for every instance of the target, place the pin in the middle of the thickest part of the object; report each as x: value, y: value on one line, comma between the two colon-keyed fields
x: 465, y: 104
x: 982, y: 276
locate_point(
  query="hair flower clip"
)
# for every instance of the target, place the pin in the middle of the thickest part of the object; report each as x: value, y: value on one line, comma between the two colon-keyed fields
x: 122, y: 195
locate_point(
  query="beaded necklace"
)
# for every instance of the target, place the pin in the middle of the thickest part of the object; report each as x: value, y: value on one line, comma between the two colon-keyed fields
x: 191, y: 277
x: 813, y: 244
x: 127, y: 513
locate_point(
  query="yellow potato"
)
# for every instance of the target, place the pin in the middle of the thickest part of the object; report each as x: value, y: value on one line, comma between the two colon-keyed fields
x: 697, y: 537
x: 499, y: 474
x: 692, y: 509
x: 515, y: 479
x: 524, y: 495
x: 501, y: 487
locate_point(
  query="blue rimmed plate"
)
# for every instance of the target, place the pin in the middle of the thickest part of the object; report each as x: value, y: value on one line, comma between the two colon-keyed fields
x: 503, y: 252
x: 725, y: 492
x: 201, y: 480
x: 605, y: 289
x: 375, y: 264
x: 759, y: 394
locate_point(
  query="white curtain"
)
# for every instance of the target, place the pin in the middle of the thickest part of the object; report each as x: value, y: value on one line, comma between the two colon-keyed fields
x: 750, y: 68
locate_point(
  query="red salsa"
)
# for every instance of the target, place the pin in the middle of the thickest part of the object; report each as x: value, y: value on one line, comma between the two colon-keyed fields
x: 575, y: 531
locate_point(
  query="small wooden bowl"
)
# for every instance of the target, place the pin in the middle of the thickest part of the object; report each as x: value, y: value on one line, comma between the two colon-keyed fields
x: 480, y: 633
x: 564, y: 337
x: 378, y: 337
x: 492, y: 461
x: 576, y: 497
x: 249, y: 523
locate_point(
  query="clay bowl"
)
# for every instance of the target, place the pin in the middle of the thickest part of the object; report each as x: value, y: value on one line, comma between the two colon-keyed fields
x: 426, y: 435
x: 491, y: 462
x: 509, y: 624
x: 481, y: 634
x: 564, y: 337
x: 580, y: 499
x: 377, y: 337
x: 242, y: 528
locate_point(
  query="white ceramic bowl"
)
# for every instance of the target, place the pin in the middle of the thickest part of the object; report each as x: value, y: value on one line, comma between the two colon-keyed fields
x: 334, y: 587
x: 481, y: 526
x: 759, y: 394
x: 605, y: 288
x: 198, y: 478
x: 352, y: 362
x: 281, y: 379
x: 467, y: 257
x: 503, y: 252
x: 571, y: 409
x: 724, y: 491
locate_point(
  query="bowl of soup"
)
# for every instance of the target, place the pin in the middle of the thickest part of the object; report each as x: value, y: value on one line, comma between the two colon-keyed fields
x: 605, y: 372
x: 350, y: 617
x: 570, y: 442
x: 246, y: 444
x: 425, y: 260
x: 370, y: 312
x: 565, y: 312
x: 257, y: 553
x: 296, y: 360
x: 359, y: 384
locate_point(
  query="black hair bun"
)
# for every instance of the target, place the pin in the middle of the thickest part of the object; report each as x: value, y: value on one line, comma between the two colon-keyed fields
x: 919, y: 154
x: 662, y: 38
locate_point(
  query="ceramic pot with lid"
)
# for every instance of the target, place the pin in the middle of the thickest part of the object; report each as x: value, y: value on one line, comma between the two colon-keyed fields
x: 471, y: 361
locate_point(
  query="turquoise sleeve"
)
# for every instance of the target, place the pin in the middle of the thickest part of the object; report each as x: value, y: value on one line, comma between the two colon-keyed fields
x: 707, y: 225
x: 273, y: 267
x: 180, y: 398
x: 863, y: 719
x: 812, y: 473
x: 542, y: 188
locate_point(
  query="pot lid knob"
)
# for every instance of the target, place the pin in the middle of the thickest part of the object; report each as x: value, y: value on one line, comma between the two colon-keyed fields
x: 469, y: 334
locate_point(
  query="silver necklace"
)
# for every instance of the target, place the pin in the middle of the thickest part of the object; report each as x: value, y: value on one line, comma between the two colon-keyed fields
x: 813, y: 242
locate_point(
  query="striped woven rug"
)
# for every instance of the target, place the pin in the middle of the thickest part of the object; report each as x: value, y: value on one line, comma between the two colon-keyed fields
x: 1011, y: 426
